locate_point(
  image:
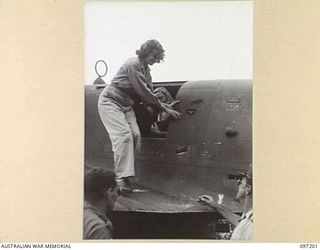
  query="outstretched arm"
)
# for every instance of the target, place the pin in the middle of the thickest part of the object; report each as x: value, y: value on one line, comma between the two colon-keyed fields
x: 138, y: 81
x: 139, y: 84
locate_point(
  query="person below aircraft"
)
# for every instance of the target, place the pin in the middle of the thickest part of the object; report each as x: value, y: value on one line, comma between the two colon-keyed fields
x: 100, y: 193
x: 243, y: 224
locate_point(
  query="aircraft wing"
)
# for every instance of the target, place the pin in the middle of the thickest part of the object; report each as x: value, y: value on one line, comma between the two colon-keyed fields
x: 145, y: 199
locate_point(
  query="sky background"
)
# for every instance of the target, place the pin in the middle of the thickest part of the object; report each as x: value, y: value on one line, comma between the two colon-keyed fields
x: 202, y: 40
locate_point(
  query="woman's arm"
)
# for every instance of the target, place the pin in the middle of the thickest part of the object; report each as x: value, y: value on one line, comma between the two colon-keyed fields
x: 138, y: 81
x: 139, y: 84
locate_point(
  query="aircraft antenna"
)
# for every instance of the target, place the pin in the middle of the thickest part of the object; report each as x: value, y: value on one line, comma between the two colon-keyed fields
x: 99, y: 80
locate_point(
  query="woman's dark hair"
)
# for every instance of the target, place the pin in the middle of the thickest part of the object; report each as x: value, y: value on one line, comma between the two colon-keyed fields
x: 151, y: 46
x: 96, y: 181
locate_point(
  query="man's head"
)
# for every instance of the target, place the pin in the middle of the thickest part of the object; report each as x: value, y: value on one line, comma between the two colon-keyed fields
x: 100, y: 187
x: 245, y: 185
x: 151, y: 52
x: 163, y: 95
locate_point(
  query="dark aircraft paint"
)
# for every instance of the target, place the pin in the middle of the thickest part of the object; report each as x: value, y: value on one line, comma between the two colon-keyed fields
x: 201, y: 153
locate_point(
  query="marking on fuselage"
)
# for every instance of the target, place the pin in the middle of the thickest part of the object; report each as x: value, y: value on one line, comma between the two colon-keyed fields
x: 233, y: 100
x: 180, y: 150
x: 196, y: 101
x: 233, y: 103
x: 233, y: 106
x: 205, y: 154
x: 191, y: 111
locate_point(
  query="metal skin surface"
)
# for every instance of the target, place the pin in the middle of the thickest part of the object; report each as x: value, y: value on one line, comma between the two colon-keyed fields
x: 200, y: 155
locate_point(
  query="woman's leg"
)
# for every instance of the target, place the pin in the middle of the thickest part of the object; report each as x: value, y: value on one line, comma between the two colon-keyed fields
x: 121, y: 136
x: 132, y: 120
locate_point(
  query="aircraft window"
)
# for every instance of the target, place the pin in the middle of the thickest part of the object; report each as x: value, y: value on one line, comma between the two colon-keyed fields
x: 154, y: 123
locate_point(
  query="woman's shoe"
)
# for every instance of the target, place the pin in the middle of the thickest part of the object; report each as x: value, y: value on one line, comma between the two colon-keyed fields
x: 124, y: 185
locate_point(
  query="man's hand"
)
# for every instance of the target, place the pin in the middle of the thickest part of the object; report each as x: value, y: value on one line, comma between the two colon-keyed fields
x: 208, y: 200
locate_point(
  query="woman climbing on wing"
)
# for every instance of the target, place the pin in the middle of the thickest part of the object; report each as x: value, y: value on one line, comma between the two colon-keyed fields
x: 132, y: 83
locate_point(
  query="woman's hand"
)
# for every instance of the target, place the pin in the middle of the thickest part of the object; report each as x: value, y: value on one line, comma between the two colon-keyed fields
x: 174, y: 103
x: 171, y: 105
x: 173, y: 113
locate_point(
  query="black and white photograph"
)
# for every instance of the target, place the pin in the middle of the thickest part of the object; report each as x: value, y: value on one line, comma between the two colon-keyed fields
x: 168, y: 120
